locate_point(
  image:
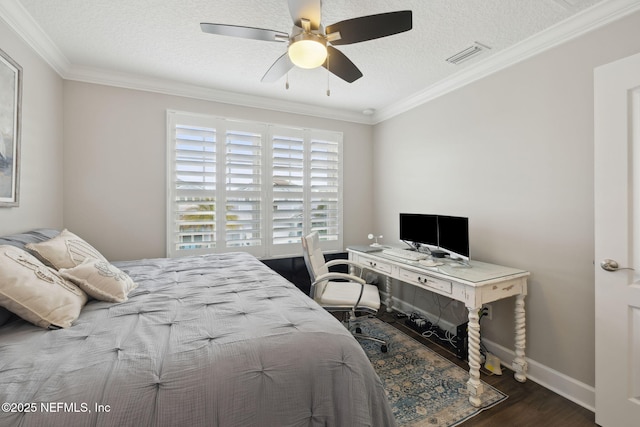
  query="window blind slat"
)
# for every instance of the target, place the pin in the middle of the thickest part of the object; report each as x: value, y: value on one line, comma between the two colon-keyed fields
x: 195, y: 171
x: 225, y: 173
x: 288, y: 159
x: 324, y: 182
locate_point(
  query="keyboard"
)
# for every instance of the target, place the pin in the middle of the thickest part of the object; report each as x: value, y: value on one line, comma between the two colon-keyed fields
x: 405, y: 254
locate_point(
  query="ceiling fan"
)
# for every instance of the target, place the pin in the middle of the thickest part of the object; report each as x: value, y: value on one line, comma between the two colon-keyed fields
x: 311, y: 45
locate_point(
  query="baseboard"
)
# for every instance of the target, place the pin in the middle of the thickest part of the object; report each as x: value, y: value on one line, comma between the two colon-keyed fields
x: 567, y: 387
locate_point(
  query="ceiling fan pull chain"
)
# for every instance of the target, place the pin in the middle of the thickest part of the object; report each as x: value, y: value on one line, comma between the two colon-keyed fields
x: 287, y: 83
x: 328, y: 77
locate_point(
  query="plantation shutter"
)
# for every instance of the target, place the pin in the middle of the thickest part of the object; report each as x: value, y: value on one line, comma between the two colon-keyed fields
x: 288, y: 198
x: 236, y: 185
x: 325, y: 186
x: 193, y: 180
x: 243, y: 174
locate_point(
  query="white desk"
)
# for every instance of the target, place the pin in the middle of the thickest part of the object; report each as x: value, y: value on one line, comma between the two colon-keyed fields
x: 476, y: 285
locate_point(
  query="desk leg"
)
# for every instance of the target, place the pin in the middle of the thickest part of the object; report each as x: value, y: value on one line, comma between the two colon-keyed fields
x: 389, y: 301
x: 474, y: 386
x: 520, y: 363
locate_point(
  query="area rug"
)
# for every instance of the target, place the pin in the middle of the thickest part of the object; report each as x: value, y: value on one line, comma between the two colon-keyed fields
x: 424, y: 388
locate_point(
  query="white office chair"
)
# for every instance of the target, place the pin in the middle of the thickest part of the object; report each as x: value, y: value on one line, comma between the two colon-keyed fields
x: 340, y: 292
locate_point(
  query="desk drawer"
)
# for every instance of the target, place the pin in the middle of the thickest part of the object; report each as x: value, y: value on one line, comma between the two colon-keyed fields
x: 374, y: 264
x: 426, y: 281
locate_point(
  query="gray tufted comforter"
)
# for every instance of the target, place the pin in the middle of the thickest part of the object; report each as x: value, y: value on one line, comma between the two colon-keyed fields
x: 218, y: 340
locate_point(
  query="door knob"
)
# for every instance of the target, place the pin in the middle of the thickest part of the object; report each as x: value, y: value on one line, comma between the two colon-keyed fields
x: 612, y: 265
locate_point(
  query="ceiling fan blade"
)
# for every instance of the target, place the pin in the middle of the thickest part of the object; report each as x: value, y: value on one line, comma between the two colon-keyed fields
x: 371, y: 27
x: 307, y: 9
x: 244, y: 32
x: 341, y: 66
x: 278, y: 69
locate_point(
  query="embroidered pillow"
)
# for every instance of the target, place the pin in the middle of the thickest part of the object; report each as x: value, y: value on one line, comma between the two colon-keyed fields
x: 36, y: 292
x: 66, y: 250
x: 100, y: 280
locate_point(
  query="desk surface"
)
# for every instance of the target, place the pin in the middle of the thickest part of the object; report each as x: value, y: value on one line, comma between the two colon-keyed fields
x: 475, y: 272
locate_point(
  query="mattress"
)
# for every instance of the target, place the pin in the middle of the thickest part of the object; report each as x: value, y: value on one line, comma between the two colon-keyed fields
x: 216, y: 340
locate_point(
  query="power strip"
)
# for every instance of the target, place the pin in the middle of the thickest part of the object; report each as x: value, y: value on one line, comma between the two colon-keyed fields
x: 418, y: 323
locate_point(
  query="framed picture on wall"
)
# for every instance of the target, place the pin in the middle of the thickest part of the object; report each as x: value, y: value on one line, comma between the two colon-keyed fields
x: 10, y: 106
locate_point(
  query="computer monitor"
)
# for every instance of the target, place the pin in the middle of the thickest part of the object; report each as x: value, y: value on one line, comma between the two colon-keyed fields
x: 419, y: 228
x: 453, y: 236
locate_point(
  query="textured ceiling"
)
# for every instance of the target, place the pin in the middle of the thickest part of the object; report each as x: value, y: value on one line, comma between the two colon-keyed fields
x: 162, y: 39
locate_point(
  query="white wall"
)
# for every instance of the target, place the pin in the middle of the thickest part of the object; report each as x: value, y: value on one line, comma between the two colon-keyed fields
x: 41, y: 143
x: 114, y: 178
x: 514, y: 153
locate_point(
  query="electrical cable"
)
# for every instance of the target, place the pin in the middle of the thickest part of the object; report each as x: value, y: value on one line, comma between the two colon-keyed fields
x: 483, y: 348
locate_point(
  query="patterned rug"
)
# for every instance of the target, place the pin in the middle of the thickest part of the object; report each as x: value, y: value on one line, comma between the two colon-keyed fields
x: 424, y: 388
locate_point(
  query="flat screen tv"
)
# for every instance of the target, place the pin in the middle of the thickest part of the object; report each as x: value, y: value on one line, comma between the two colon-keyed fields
x: 419, y: 228
x: 453, y: 236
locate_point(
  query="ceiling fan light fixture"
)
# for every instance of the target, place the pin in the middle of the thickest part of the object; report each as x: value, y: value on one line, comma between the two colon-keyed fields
x: 308, y: 50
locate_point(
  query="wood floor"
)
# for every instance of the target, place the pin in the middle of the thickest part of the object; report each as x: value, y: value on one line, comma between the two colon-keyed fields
x: 529, y: 404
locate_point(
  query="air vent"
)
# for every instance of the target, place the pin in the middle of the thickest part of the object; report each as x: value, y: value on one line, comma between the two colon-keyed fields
x: 468, y: 53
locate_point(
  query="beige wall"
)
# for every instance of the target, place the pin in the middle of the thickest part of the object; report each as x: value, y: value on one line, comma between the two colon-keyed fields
x: 514, y: 153
x: 41, y: 147
x: 115, y: 180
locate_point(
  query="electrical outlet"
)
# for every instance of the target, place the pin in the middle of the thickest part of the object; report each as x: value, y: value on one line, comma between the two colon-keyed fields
x: 488, y: 311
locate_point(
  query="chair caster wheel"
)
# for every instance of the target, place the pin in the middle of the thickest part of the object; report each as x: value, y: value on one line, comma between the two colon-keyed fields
x: 383, y: 348
x: 358, y: 330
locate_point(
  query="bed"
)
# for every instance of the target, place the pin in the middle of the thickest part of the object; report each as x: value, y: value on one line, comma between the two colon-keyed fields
x: 215, y: 340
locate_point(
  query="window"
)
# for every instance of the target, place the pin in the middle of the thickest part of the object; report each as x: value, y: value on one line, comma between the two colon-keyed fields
x: 254, y: 187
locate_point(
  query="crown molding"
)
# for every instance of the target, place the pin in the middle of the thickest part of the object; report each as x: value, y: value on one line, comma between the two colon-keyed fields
x: 581, y: 23
x: 168, y: 87
x: 15, y: 15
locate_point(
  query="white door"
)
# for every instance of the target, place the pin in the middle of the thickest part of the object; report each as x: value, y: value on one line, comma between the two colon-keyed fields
x: 617, y: 238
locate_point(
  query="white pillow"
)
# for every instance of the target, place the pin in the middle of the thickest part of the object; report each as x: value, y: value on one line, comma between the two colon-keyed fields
x: 100, y: 280
x: 66, y: 250
x: 36, y: 292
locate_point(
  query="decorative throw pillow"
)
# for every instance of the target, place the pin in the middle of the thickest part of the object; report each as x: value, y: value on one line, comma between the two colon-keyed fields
x: 100, y: 280
x: 66, y: 250
x: 36, y: 292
